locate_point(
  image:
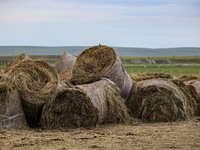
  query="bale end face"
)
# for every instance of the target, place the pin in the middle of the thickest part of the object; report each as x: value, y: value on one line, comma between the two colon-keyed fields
x: 157, y: 104
x: 69, y: 111
x: 92, y: 64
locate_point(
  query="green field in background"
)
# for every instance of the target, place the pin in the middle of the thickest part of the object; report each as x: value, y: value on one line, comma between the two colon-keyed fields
x: 171, y: 69
x: 175, y: 70
x: 161, y: 57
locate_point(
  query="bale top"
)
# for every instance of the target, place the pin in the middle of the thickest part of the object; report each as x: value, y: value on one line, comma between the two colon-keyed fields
x: 150, y: 75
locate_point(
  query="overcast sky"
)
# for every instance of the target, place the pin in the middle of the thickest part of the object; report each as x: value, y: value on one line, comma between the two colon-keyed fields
x: 126, y: 23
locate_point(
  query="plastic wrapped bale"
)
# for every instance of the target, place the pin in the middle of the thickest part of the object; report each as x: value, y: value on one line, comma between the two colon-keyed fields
x: 65, y: 62
x: 8, y: 68
x: 185, y: 78
x: 37, y: 82
x: 194, y: 88
x: 11, y: 111
x: 84, y: 106
x: 150, y: 75
x: 158, y: 100
x: 101, y: 61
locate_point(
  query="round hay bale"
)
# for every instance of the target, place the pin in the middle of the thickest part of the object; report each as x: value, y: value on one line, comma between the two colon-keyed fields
x: 11, y: 111
x: 65, y: 62
x: 191, y: 102
x: 150, y: 75
x: 8, y: 68
x: 194, y: 88
x: 158, y: 100
x: 37, y: 82
x: 101, y: 61
x: 185, y: 78
x: 85, y: 105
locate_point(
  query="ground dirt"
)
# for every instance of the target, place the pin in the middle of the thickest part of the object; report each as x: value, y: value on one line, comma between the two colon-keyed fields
x: 179, y: 135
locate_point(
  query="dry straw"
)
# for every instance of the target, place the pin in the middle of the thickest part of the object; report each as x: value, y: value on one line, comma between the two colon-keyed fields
x: 150, y: 75
x: 187, y: 78
x: 101, y: 61
x: 11, y: 111
x: 65, y: 76
x: 85, y: 105
x: 158, y: 100
x: 65, y: 62
x: 37, y: 82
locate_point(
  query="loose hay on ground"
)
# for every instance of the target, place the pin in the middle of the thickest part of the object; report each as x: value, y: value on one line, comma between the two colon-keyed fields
x: 65, y: 62
x: 11, y: 111
x: 158, y: 100
x: 85, y: 105
x: 37, y: 82
x: 101, y: 61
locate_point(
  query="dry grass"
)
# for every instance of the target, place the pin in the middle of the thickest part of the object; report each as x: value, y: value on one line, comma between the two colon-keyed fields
x: 150, y: 75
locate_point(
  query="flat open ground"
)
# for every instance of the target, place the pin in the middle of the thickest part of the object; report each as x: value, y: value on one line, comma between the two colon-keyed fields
x: 179, y: 135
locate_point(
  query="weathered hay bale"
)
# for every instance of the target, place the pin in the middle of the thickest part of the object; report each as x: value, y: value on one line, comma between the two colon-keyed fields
x: 158, y: 100
x: 185, y: 78
x: 150, y: 75
x: 37, y: 82
x: 65, y: 62
x: 101, y: 61
x: 8, y: 68
x: 194, y: 83
x: 85, y: 105
x: 194, y: 88
x: 191, y: 102
x: 11, y: 111
x: 65, y: 76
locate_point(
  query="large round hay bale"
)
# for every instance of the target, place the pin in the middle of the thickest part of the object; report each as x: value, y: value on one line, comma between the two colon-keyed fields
x: 8, y: 68
x: 191, y: 102
x: 158, y: 100
x: 150, y: 75
x: 101, y: 61
x: 194, y: 88
x: 65, y: 62
x: 85, y: 105
x: 37, y: 82
x: 11, y: 111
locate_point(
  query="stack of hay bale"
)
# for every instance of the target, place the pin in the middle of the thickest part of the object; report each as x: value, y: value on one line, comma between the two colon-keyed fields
x: 88, y: 90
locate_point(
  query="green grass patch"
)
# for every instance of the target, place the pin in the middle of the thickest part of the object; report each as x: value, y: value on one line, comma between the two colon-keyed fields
x: 171, y: 69
x: 160, y: 57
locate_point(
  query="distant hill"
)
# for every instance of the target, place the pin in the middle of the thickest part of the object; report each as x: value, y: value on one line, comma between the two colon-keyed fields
x: 121, y: 51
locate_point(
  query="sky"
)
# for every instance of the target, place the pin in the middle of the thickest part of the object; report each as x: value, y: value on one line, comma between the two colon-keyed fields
x: 123, y: 23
